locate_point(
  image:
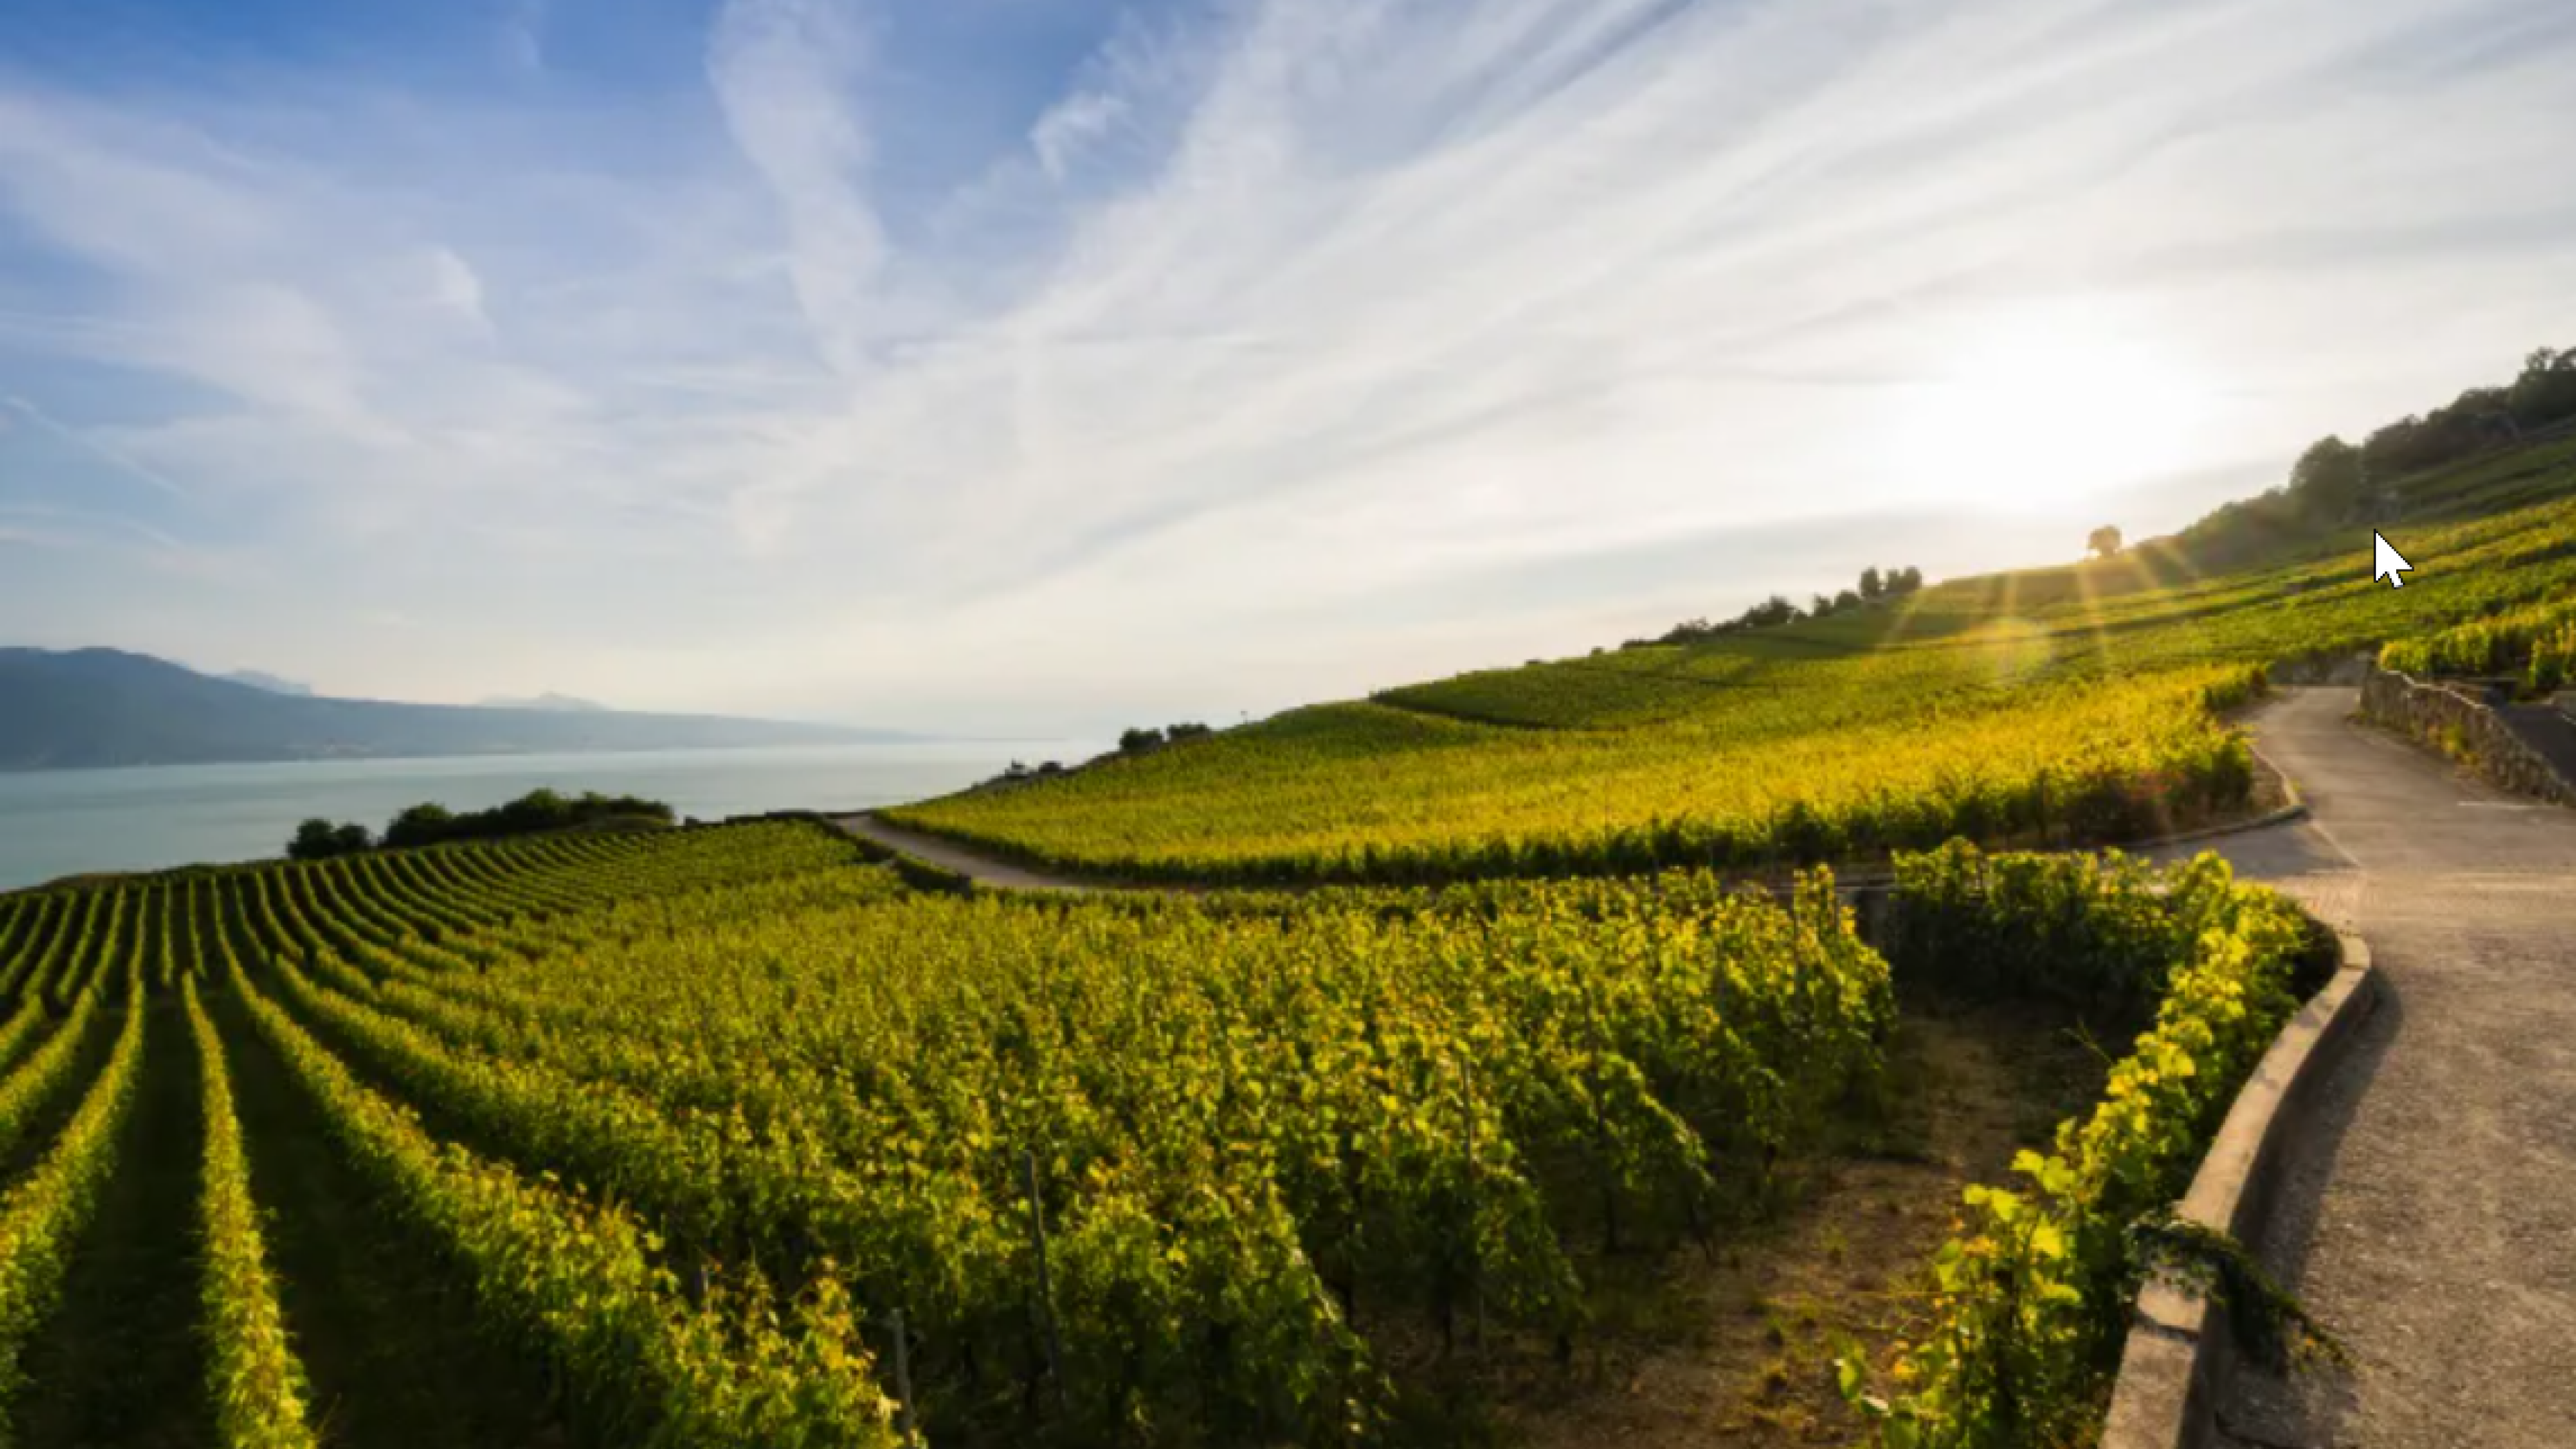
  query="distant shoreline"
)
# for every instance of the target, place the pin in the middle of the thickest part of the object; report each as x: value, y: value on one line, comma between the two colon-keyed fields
x: 856, y: 739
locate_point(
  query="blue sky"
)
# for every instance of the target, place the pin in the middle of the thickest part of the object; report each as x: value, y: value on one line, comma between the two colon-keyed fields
x: 1044, y: 364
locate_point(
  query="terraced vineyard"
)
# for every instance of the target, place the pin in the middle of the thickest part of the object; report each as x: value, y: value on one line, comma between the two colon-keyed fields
x: 2050, y: 707
x: 680, y: 1124
x: 726, y: 1137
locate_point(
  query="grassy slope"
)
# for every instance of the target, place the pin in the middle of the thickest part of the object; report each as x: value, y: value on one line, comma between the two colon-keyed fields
x: 1959, y: 699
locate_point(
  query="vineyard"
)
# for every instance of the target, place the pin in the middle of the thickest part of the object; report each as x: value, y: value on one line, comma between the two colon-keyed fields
x: 725, y: 1137
x: 2050, y: 708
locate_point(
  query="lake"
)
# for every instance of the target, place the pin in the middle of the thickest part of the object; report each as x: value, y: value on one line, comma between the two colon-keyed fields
x: 65, y: 822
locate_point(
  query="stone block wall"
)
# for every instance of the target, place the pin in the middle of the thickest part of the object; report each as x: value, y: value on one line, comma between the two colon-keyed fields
x: 2458, y: 721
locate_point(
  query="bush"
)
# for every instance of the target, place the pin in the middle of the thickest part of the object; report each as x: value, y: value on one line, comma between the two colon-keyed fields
x: 319, y: 839
x: 532, y: 813
x: 2536, y: 642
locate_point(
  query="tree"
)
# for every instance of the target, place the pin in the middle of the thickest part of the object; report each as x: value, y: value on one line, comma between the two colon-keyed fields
x: 1138, y: 741
x: 1192, y: 730
x: 423, y: 824
x: 314, y: 840
x: 1846, y: 600
x: 319, y: 839
x: 2546, y: 391
x: 2103, y: 541
x: 1871, y: 585
x: 1820, y: 607
x: 1906, y: 581
x: 2327, y: 480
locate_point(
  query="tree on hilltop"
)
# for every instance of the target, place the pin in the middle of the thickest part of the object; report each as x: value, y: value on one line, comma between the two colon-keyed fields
x: 319, y: 839
x: 2103, y: 541
x: 422, y: 824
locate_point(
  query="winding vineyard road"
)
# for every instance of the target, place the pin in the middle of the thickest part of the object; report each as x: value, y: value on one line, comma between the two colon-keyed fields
x: 983, y: 870
x: 2430, y: 1216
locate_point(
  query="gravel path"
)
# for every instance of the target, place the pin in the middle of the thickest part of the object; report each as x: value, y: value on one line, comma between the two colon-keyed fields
x: 930, y: 849
x: 2431, y: 1218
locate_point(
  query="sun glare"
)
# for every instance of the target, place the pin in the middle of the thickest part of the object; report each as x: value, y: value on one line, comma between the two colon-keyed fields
x: 2047, y: 411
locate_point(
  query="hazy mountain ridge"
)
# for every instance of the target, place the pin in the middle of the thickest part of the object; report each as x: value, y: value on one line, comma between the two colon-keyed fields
x: 99, y: 708
x: 557, y: 703
x: 262, y: 679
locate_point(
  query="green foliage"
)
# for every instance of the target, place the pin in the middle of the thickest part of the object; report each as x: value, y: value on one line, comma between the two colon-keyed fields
x: 319, y: 839
x: 1841, y: 757
x: 2267, y: 1323
x: 2328, y: 481
x: 578, y: 1282
x: 2051, y: 706
x: 36, y: 1083
x: 422, y: 824
x: 1777, y: 610
x: 253, y: 1375
x: 1246, y: 1110
x: 589, y: 1069
x: 2536, y: 643
x: 2103, y: 542
x: 43, y: 1213
x: 2029, y: 1304
x: 533, y: 813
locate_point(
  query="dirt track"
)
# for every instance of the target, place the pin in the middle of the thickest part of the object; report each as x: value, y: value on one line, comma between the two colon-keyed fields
x: 931, y: 850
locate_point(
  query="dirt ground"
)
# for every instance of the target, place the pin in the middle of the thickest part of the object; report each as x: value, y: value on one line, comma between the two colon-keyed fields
x: 1736, y: 1346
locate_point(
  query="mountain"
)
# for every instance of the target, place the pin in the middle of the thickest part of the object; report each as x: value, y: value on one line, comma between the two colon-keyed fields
x: 559, y: 703
x: 89, y: 708
x: 258, y: 679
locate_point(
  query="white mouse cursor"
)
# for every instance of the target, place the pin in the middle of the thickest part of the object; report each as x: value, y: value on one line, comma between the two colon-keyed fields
x: 2386, y: 562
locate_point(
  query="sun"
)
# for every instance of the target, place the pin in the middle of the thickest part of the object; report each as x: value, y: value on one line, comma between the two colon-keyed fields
x: 2040, y: 412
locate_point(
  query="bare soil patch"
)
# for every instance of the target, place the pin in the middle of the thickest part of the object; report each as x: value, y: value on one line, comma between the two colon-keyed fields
x: 1735, y: 1345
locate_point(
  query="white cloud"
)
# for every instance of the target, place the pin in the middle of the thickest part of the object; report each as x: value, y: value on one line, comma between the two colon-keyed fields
x: 523, y: 36
x: 1264, y: 327
x: 783, y: 71
x: 454, y: 287
x: 1072, y: 126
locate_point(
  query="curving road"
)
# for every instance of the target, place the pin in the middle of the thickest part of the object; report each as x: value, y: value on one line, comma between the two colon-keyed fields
x: 2431, y: 1216
x: 981, y: 869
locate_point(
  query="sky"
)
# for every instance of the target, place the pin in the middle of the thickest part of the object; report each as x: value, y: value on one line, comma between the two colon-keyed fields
x: 1047, y: 365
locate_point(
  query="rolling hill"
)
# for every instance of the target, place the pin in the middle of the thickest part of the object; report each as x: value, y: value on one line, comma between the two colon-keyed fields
x: 2080, y: 704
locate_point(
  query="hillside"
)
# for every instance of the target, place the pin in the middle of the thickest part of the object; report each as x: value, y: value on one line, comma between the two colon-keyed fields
x: 2048, y: 707
x: 93, y: 708
x: 735, y: 1142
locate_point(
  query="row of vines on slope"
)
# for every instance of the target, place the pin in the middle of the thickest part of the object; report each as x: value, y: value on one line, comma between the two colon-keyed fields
x: 697, y: 1147
x: 2023, y: 1332
x: 2041, y: 709
x: 752, y: 1145
x: 1362, y: 793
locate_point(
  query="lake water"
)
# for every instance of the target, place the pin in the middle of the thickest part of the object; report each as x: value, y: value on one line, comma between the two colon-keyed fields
x: 65, y: 822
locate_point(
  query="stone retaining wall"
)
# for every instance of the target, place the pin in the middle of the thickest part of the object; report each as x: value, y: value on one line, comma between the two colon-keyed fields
x: 2458, y: 720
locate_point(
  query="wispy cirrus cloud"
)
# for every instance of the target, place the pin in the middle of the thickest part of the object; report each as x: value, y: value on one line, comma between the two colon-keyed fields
x: 1235, y: 360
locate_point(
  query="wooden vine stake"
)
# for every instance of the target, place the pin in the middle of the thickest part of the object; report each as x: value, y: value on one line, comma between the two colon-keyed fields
x: 1046, y: 1289
x: 907, y: 1420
